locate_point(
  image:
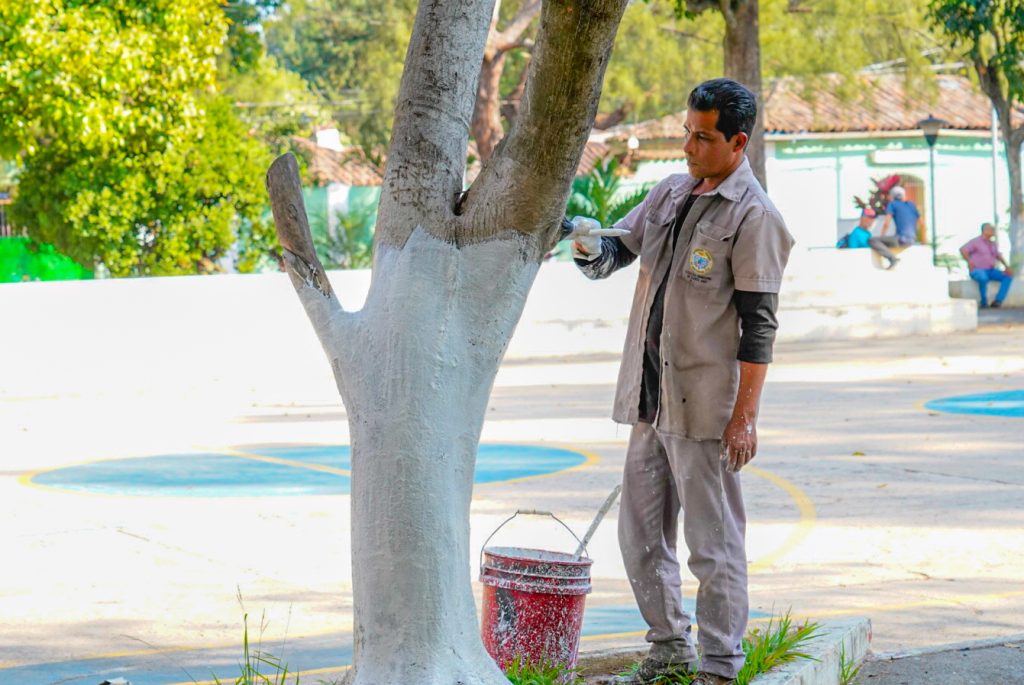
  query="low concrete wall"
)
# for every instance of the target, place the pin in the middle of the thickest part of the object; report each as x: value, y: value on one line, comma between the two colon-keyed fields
x: 222, y: 334
x: 968, y: 290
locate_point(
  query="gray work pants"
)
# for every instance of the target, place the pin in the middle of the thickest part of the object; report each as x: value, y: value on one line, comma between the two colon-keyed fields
x: 882, y: 243
x: 662, y: 474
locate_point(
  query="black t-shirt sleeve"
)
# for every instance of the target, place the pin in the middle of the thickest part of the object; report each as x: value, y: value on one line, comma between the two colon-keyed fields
x: 757, y: 325
x: 614, y: 256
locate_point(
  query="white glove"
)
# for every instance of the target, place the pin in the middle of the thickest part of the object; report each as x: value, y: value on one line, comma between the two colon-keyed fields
x: 586, y: 236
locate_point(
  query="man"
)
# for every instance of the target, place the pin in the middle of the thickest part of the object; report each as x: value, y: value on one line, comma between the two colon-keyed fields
x: 861, y: 237
x: 981, y: 254
x: 904, y: 214
x: 712, y: 250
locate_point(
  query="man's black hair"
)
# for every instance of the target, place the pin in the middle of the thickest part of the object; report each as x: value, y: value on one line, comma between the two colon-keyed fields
x: 736, y: 106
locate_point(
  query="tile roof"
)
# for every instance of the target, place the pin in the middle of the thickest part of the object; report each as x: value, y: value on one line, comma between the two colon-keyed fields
x: 349, y: 167
x: 793, y: 105
x: 881, y: 104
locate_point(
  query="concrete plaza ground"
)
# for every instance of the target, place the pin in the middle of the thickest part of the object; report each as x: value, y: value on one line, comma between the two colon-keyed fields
x: 862, y: 502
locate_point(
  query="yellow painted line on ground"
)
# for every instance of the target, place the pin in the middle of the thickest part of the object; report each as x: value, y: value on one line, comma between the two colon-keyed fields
x: 149, y: 650
x: 590, y: 459
x: 613, y: 636
x: 284, y: 462
x: 27, y: 479
x: 808, y: 517
x: 641, y: 633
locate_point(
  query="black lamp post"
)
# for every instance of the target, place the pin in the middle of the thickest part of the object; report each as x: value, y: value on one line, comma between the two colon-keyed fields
x: 931, y: 127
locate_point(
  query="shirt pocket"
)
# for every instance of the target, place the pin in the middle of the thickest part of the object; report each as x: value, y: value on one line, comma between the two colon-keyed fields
x: 656, y: 229
x: 708, y: 256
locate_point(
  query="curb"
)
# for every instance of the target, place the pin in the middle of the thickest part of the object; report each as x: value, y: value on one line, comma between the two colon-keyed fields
x: 853, y: 634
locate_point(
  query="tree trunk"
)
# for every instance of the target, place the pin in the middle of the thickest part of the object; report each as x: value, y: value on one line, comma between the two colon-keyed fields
x: 451, y: 274
x: 742, y: 46
x: 486, y: 127
x: 1013, y: 148
x: 992, y: 84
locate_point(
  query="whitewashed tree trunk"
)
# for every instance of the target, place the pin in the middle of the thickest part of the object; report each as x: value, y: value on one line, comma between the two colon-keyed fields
x: 451, y: 274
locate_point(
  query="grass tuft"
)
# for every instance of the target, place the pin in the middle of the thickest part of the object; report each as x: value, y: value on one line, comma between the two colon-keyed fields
x: 848, y: 668
x: 524, y: 672
x: 259, y: 667
x: 780, y: 642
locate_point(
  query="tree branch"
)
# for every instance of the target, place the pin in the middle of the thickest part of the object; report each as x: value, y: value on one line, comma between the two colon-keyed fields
x: 304, y: 268
x: 427, y: 156
x: 727, y: 12
x: 615, y: 117
x: 510, y: 108
x: 510, y: 37
x: 701, y: 6
x: 525, y: 185
x: 687, y: 34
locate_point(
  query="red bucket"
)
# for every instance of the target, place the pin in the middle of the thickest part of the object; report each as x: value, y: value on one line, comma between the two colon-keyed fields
x: 533, y: 605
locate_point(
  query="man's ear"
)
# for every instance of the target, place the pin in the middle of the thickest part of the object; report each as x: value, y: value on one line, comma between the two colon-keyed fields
x: 740, y: 140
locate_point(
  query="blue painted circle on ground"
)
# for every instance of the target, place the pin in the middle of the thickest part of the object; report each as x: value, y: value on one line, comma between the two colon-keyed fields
x: 223, y: 475
x: 1007, y: 403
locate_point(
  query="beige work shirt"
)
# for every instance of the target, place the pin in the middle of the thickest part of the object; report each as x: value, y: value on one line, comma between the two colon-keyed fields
x: 737, y: 241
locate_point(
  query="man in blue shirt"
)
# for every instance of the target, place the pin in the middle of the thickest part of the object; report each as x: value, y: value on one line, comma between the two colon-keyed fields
x: 861, y: 236
x: 905, y: 215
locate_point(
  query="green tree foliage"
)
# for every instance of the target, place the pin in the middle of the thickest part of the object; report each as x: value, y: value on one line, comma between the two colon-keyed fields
x: 597, y: 195
x: 990, y: 33
x: 349, y: 245
x: 129, y: 158
x: 658, y: 59
x: 244, y: 46
x: 169, y: 211
x: 274, y: 102
x: 809, y: 38
x: 352, y: 53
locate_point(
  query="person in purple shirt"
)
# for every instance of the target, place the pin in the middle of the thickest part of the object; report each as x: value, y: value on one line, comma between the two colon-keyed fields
x: 982, y: 254
x: 904, y: 214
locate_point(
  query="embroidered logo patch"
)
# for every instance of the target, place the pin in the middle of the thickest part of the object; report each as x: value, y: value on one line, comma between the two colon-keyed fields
x: 701, y: 261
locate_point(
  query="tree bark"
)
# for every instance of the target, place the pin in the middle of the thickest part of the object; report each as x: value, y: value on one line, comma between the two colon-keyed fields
x: 451, y: 274
x: 742, y: 45
x: 486, y: 127
x: 1013, y: 138
x: 1013, y: 163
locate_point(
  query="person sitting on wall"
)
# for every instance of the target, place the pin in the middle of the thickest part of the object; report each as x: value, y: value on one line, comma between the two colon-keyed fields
x: 904, y: 214
x: 861, y: 236
x: 982, y: 254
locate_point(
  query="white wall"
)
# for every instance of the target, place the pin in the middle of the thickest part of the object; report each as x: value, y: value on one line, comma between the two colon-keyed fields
x: 214, y: 336
x: 814, y: 187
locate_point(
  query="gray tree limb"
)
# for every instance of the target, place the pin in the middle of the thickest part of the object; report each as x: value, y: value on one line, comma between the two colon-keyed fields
x: 427, y: 157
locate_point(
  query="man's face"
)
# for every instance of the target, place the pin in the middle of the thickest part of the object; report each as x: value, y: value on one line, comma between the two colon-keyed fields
x: 988, y: 232
x: 867, y: 222
x: 708, y: 153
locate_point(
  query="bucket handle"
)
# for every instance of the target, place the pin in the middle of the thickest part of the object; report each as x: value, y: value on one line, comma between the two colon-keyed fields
x: 532, y: 512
